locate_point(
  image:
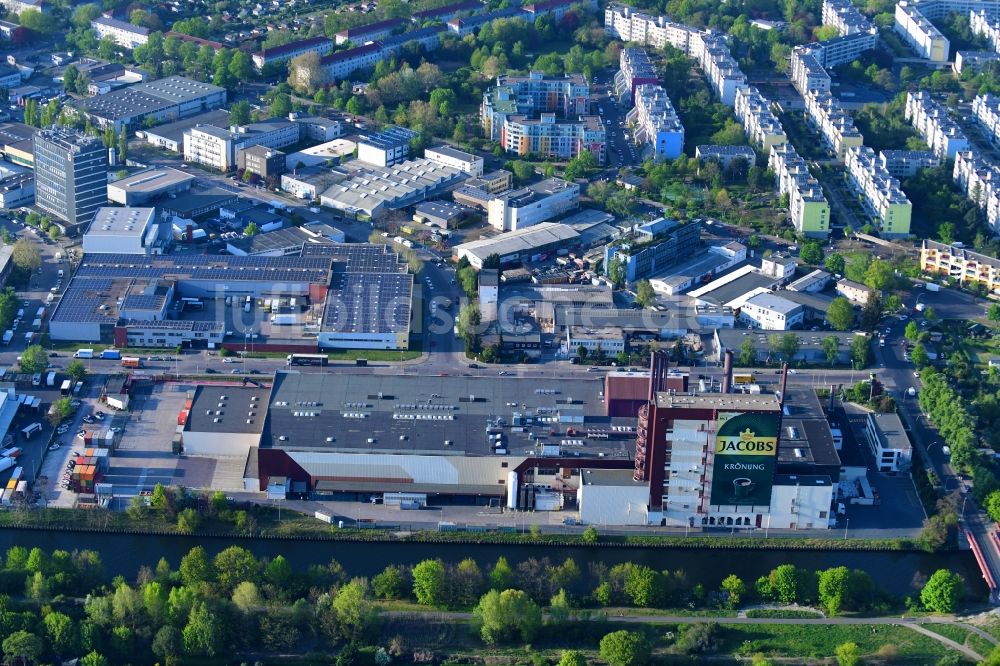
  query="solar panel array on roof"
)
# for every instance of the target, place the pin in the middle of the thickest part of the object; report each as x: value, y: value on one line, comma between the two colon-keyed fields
x: 83, y: 302
x: 368, y: 303
x: 143, y: 302
x: 207, y: 267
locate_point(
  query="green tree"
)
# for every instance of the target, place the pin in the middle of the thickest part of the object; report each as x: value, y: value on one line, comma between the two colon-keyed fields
x: 748, y: 353
x: 203, y: 632
x: 571, y: 658
x: 391, y: 583
x: 831, y: 348
x: 506, y: 615
x: 644, y: 294
x: 188, y: 521
x: 811, y: 253
x: 429, y: 581
x: 34, y: 359
x: 912, y: 331
x: 625, y: 648
x: 61, y: 632
x: 251, y: 230
x: 919, y: 356
x: 95, y: 658
x: 281, y: 106
x: 22, y: 647
x: 848, y: 654
x: 501, y: 575
x: 616, y: 272
x: 168, y: 644
x: 879, y: 274
x: 861, y: 351
x: 233, y: 566
x: 590, y: 535
x: 930, y: 314
x: 26, y: 257
x: 61, y: 410
x: 34, y: 20
x: 356, y: 613
x: 239, y: 113
x: 70, y: 77
x: 835, y: 263
x: 941, y: 593
x: 123, y: 145
x: 195, y: 567
x: 992, y: 506
x: 840, y: 314
x: 734, y: 589
x: 993, y: 313
x: 240, y: 66
x: 833, y: 588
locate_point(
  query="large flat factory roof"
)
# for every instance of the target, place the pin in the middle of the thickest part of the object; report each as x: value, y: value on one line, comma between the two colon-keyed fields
x: 441, y: 415
x: 733, y: 402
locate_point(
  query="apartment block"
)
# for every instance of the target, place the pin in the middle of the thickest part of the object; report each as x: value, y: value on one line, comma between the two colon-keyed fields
x: 844, y: 16
x: 810, y: 62
x: 806, y: 72
x: 342, y: 64
x: 931, y: 121
x: 372, y: 32
x: 986, y: 25
x: 963, y: 265
x: 906, y: 163
x: 919, y: 33
x: 630, y: 25
x: 634, y: 69
x: 553, y: 137
x: 725, y: 155
x: 981, y: 183
x: 834, y: 124
x: 879, y: 191
x: 567, y: 96
x: 986, y: 109
x: 656, y: 122
x: 216, y: 147
x: 531, y: 205
x: 762, y: 127
x: 722, y: 71
x: 121, y: 32
x: 318, y: 45
x: 807, y: 207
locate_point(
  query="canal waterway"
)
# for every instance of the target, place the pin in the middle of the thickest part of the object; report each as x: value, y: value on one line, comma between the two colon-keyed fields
x: 123, y: 554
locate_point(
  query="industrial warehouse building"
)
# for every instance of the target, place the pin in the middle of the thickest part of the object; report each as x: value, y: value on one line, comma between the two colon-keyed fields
x: 357, y: 295
x: 157, y: 101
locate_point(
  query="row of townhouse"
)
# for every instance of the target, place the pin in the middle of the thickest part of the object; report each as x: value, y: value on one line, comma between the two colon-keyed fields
x: 808, y: 208
x: 759, y: 122
x: 938, y: 130
x: 634, y: 69
x: 879, y: 192
x: 834, y: 124
x: 656, y: 122
x: 963, y: 265
x: 981, y: 183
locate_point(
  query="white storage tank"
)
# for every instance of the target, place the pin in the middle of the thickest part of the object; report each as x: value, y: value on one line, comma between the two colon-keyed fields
x: 511, y: 490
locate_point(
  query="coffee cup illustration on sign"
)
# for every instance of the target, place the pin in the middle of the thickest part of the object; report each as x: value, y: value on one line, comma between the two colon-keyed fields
x: 743, y: 487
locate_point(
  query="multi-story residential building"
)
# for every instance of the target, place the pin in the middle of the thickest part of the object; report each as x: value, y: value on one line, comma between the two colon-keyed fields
x: 388, y: 147
x: 973, y: 61
x: 554, y: 138
x: 121, y: 32
x: 807, y: 207
x: 916, y: 30
x: 530, y: 205
x: 448, y: 12
x: 216, y: 147
x: 906, y: 163
x: 834, y: 124
x: 567, y: 96
x: 471, y: 24
x: 725, y: 155
x: 427, y: 38
x: 985, y: 25
x: 986, y: 109
x: 809, y: 62
x: 634, y: 69
x: 931, y: 121
x: 20, y: 6
x: 981, y: 183
x: 806, y: 72
x: 342, y: 64
x: 670, y: 244
x: 71, y: 175
x: 762, y: 127
x: 964, y: 265
x: 656, y: 122
x: 879, y: 192
x: 844, y: 16
x: 372, y: 32
x: 630, y: 25
x: 721, y: 69
x: 318, y: 45
x: 463, y: 161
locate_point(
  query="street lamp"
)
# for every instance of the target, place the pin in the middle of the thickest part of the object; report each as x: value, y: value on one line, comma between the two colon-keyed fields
x: 846, y: 525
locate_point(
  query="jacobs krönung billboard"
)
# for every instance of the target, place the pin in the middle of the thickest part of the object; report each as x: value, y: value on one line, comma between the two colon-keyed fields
x: 746, y: 447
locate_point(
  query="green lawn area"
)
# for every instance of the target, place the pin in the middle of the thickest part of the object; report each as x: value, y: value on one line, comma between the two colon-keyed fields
x: 820, y: 643
x: 374, y: 355
x: 979, y: 644
x: 952, y: 631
